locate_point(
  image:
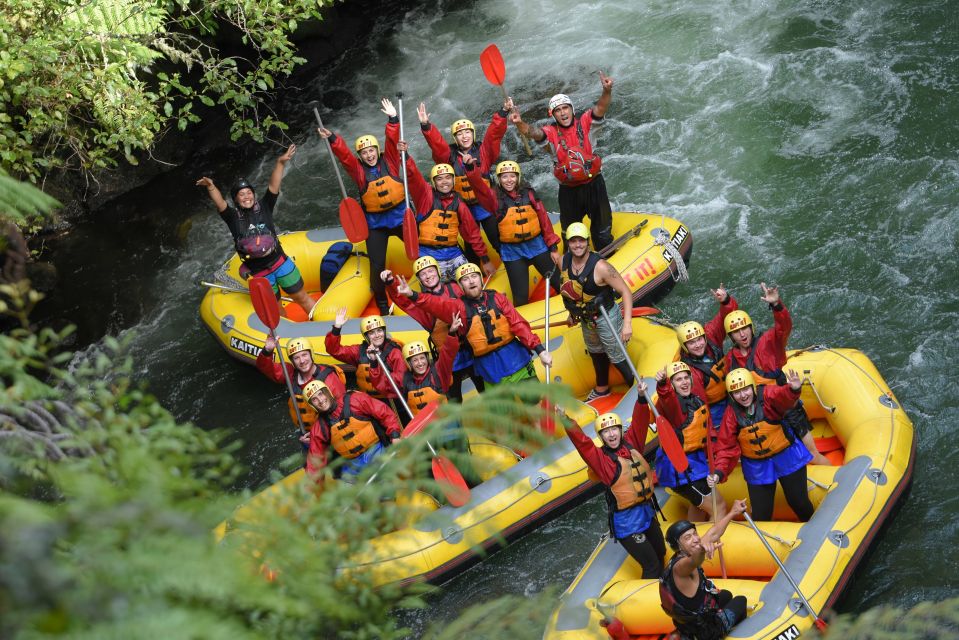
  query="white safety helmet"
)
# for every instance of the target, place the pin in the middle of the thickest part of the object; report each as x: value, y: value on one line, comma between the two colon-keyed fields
x: 557, y: 100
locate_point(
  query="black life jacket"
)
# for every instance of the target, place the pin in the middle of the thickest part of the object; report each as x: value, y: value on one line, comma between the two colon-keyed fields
x: 582, y: 297
x: 704, y: 623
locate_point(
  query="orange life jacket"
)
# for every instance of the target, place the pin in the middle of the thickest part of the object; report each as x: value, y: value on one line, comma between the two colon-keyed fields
x: 420, y: 394
x: 487, y: 328
x: 363, y: 380
x: 307, y: 412
x: 759, y: 438
x: 351, y: 435
x: 382, y: 193
x: 579, y: 166
x: 714, y: 374
x: 441, y: 226
x: 516, y: 217
x: 633, y: 484
x: 692, y: 433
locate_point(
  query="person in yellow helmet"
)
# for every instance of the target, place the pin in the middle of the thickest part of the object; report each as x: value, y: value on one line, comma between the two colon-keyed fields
x: 765, y: 356
x: 582, y: 189
x: 442, y: 217
x: 753, y: 434
x: 363, y: 355
x: 378, y: 175
x: 589, y: 284
x: 701, y: 347
x: 465, y: 141
x: 619, y: 464
x: 250, y: 220
x: 526, y: 236
x: 301, y: 369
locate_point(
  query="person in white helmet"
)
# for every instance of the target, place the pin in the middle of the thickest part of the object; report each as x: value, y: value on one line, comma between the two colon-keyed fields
x: 582, y: 189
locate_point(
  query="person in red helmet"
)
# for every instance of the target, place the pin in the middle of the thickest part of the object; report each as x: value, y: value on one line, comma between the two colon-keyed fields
x: 442, y: 217
x: 254, y: 234
x: 379, y: 178
x: 526, y: 235
x: 582, y: 189
x: 465, y: 141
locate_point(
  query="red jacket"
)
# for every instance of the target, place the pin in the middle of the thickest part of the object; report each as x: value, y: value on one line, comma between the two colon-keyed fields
x: 489, y: 149
x: 770, y: 347
x: 355, y: 167
x: 421, y: 315
x: 360, y: 405
x: 274, y: 371
x: 487, y: 199
x: 716, y: 334
x: 554, y: 132
x: 443, y: 367
x: 667, y: 402
x: 444, y: 308
x: 421, y: 195
x: 598, y: 462
x: 351, y: 354
x: 777, y: 400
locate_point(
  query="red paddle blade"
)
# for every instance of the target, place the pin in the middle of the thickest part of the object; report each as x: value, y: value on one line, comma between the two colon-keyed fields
x: 639, y: 312
x: 353, y: 220
x: 264, y: 302
x: 671, y: 445
x: 411, y: 236
x: 493, y: 66
x: 548, y: 422
x: 451, y: 481
x: 421, y: 420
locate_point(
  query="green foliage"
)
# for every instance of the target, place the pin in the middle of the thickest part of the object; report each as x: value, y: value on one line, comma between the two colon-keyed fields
x: 925, y: 621
x: 22, y: 203
x: 83, y: 81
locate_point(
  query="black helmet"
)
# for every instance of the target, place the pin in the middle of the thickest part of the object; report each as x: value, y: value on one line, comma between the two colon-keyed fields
x: 241, y: 184
x: 676, y: 530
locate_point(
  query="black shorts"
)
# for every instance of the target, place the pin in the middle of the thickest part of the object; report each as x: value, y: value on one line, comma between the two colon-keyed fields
x: 694, y: 493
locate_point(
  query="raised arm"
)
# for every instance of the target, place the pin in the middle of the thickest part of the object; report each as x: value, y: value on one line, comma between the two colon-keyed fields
x: 601, y: 106
x: 346, y: 157
x: 439, y: 148
x: 484, y: 193
x: 493, y: 138
x: 213, y: 192
x: 530, y: 131
x: 277, y: 176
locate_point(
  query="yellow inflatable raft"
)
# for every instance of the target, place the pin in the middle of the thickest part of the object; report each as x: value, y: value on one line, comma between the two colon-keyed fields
x: 518, y: 494
x: 862, y: 429
x: 227, y: 312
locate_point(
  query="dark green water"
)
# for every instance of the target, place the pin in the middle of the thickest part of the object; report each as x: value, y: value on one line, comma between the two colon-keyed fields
x: 808, y: 144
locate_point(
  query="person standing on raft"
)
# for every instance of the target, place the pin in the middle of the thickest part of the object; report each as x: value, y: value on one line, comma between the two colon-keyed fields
x: 442, y: 217
x: 486, y: 150
x: 301, y: 369
x: 701, y: 348
x: 620, y: 466
x: 697, y: 607
x: 753, y: 429
x: 354, y: 425
x: 378, y: 176
x: 689, y: 416
x: 499, y: 337
x: 427, y: 271
x: 254, y: 234
x: 765, y: 357
x: 526, y: 235
x: 582, y: 189
x: 589, y: 283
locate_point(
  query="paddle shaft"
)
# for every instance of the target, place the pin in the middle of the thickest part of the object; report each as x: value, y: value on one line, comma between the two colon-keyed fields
x: 783, y: 568
x: 213, y: 285
x: 289, y: 385
x: 399, y: 396
x: 399, y: 109
x: 713, y: 492
x: 546, y: 315
x: 619, y: 341
x: 329, y: 147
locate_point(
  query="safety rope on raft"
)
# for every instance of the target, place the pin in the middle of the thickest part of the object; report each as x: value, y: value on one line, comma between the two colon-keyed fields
x: 663, y: 239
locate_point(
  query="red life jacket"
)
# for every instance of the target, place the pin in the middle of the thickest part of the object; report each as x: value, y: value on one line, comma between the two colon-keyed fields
x: 579, y: 166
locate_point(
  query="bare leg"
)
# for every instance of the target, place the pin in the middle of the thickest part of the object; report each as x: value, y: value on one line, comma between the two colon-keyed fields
x: 810, y: 444
x: 303, y: 299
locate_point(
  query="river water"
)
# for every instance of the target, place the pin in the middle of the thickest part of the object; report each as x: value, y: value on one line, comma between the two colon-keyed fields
x: 808, y: 144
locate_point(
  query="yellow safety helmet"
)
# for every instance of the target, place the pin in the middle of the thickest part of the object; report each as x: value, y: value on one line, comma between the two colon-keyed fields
x: 737, y: 320
x: 369, y: 323
x: 298, y: 344
x: 441, y: 169
x: 689, y: 331
x: 466, y: 269
x: 608, y: 421
x: 676, y: 367
x: 414, y: 349
x: 423, y: 262
x: 739, y: 379
x: 508, y: 166
x: 313, y: 387
x: 367, y: 141
x: 461, y: 124
x: 577, y: 230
